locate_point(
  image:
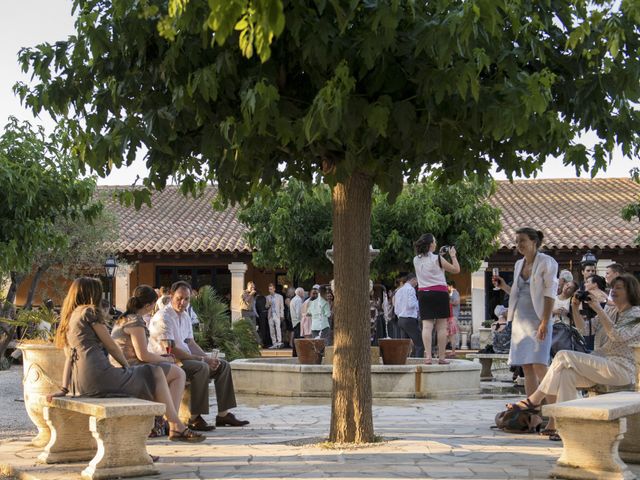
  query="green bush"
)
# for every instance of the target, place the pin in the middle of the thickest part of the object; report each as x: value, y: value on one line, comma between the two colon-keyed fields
x: 216, y: 331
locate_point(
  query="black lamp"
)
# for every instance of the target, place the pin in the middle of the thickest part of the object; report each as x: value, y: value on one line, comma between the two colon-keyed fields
x: 110, y: 267
x: 588, y: 259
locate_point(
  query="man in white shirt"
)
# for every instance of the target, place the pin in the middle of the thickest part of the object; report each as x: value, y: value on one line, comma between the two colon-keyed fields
x: 276, y: 315
x: 405, y: 306
x: 295, y: 307
x: 171, y: 331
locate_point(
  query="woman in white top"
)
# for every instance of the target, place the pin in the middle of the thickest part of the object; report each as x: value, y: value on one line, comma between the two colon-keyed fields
x: 531, y: 299
x: 433, y: 294
x: 563, y: 302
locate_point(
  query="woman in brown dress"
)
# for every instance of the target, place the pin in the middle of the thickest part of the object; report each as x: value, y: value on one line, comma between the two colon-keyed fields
x: 131, y: 334
x: 83, y: 334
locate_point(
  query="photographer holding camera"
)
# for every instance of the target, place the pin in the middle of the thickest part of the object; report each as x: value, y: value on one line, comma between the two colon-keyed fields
x: 594, y: 288
x: 433, y: 293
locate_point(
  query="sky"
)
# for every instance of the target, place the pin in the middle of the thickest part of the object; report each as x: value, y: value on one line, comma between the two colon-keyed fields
x: 26, y: 23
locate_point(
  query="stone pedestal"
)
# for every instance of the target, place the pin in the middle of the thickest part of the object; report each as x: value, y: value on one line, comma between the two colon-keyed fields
x: 237, y: 269
x: 122, y: 288
x: 484, y: 337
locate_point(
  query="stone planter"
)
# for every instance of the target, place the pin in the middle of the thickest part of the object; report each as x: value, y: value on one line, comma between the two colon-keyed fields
x: 43, y: 364
x: 310, y: 350
x: 485, y: 336
x: 394, y: 351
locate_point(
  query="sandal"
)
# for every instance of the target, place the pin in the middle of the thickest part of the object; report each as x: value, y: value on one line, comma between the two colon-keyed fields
x: 528, y: 406
x: 427, y: 361
x: 548, y: 432
x: 442, y: 361
x: 187, y: 435
x: 154, y: 458
x: 555, y: 438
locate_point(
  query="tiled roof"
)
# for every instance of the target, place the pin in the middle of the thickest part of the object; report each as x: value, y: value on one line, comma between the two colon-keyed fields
x: 177, y: 224
x: 572, y: 213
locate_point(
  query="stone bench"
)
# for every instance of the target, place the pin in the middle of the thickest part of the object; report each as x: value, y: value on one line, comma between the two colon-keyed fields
x: 592, y: 431
x: 111, y: 432
x: 486, y: 361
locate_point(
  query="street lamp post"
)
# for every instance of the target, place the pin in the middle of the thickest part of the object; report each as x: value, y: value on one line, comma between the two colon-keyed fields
x: 110, y: 268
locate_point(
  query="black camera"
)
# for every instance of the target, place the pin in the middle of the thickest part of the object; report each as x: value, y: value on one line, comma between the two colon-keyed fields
x: 444, y: 250
x: 583, y: 295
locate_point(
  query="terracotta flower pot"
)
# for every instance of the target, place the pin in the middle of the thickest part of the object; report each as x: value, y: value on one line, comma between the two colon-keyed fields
x: 310, y: 350
x: 394, y: 351
x: 43, y: 364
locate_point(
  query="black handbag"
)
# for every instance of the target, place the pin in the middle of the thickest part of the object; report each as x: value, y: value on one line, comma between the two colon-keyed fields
x: 567, y: 337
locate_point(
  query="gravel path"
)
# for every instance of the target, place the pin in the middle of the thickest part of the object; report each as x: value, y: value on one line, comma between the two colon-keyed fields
x: 14, y: 421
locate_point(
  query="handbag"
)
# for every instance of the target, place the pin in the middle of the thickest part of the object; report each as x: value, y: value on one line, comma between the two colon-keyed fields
x: 567, y: 337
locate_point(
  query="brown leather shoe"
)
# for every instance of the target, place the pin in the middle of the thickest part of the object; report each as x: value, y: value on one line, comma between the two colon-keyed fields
x: 200, y: 425
x: 230, y: 420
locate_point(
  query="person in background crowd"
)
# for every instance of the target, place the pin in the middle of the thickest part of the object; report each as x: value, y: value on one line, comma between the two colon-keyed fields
x: 295, y: 307
x: 406, y: 308
x: 83, y: 334
x: 452, y: 321
x: 163, y: 298
x: 562, y: 305
x: 305, y: 322
x: 595, y: 286
x: 320, y: 312
x: 531, y: 300
x: 563, y: 277
x: 171, y: 329
x: 248, y: 305
x: 588, y: 270
x: 287, y: 324
x: 262, y: 313
x: 613, y: 271
x: 330, y: 300
x: 433, y: 294
x: 276, y: 316
x: 611, y: 363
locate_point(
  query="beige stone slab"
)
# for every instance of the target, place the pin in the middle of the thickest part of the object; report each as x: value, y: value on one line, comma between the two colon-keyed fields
x: 610, y: 406
x: 108, y: 407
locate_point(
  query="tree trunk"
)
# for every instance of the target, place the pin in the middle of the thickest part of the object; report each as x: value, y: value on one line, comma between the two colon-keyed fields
x: 7, y: 310
x: 351, y: 407
x: 34, y: 285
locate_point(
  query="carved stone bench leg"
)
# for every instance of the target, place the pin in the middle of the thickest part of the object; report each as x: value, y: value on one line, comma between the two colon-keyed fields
x: 122, y: 450
x: 486, y: 363
x: 630, y: 445
x: 70, y: 439
x: 590, y: 450
x: 184, y: 412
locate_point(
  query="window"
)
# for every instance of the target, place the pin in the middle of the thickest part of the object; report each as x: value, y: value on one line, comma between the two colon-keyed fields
x: 217, y: 277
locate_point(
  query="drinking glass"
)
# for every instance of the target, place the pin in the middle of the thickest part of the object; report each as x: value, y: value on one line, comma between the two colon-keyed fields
x: 495, y: 274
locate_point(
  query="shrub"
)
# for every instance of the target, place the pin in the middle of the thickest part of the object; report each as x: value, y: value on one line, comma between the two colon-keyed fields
x: 216, y: 331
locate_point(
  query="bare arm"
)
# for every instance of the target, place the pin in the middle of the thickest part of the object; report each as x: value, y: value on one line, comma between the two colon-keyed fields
x: 501, y: 284
x: 139, y: 341
x: 112, y: 347
x: 546, y: 314
x: 453, y: 266
x: 578, y: 319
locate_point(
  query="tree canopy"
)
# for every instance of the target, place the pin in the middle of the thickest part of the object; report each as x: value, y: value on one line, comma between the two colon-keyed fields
x: 293, y: 226
x: 40, y: 186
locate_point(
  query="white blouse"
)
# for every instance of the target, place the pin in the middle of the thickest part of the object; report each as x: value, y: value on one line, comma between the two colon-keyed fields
x: 429, y: 271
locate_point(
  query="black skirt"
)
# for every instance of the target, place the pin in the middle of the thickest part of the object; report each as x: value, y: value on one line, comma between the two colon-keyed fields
x: 433, y: 305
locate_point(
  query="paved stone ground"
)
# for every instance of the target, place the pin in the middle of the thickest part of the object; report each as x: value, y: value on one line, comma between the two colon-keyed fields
x: 422, y: 439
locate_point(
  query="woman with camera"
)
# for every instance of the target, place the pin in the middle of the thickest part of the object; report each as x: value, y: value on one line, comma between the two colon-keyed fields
x: 611, y: 363
x: 433, y: 293
x: 531, y: 300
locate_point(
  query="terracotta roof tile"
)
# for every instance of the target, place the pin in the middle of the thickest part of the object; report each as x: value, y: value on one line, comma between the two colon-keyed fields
x: 178, y: 224
x: 572, y: 213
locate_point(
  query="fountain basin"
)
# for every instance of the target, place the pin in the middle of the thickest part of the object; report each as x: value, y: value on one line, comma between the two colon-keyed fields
x: 285, y: 377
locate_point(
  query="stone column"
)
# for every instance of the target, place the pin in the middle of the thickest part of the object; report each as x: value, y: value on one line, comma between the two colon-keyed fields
x: 122, y: 287
x: 237, y: 269
x: 601, y: 266
x: 478, y: 313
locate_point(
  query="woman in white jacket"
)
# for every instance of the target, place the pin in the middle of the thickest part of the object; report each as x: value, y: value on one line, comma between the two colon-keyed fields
x: 531, y: 300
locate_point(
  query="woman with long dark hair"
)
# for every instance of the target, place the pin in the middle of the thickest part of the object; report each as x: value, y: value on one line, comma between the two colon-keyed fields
x: 433, y: 293
x: 83, y: 334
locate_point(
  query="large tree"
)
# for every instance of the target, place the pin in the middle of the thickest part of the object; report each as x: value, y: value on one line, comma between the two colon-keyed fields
x: 292, y: 226
x: 362, y: 93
